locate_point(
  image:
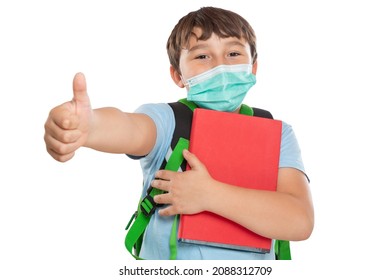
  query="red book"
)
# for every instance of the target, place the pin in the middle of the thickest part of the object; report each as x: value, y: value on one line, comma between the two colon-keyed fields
x: 239, y: 150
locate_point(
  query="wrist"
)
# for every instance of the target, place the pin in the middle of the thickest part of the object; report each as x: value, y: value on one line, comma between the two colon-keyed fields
x: 212, y: 195
x: 90, y: 130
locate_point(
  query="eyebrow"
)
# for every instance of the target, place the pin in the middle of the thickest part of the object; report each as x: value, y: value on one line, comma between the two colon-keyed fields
x: 205, y: 45
x: 197, y: 47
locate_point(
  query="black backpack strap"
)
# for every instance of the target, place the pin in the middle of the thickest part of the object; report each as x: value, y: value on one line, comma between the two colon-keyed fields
x: 183, y: 121
x: 251, y: 111
x: 262, y: 113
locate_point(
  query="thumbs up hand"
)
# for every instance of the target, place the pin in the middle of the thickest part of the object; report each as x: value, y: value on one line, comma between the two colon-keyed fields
x: 67, y: 126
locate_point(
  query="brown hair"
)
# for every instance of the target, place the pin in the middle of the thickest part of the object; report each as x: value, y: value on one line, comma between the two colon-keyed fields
x: 223, y: 23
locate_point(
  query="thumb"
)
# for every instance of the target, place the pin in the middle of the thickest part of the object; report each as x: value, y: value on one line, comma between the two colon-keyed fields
x: 80, y: 89
x: 192, y: 160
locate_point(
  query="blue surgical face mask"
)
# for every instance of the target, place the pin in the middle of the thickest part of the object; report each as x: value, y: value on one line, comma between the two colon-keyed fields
x: 222, y: 88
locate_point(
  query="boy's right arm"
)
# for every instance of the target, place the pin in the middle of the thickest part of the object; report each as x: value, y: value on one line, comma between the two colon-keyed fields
x: 75, y: 124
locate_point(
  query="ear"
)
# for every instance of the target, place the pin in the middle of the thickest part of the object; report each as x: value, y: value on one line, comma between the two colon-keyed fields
x: 254, y: 68
x: 176, y: 77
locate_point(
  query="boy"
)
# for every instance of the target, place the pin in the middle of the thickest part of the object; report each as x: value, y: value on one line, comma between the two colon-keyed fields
x: 203, y: 45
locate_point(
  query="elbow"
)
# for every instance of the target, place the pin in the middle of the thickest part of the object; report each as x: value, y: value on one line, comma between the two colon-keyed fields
x: 304, y: 229
x: 304, y: 224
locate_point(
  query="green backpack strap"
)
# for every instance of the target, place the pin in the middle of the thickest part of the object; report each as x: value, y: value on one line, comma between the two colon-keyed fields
x: 191, y: 105
x: 147, y: 206
x: 246, y: 110
x: 282, y: 250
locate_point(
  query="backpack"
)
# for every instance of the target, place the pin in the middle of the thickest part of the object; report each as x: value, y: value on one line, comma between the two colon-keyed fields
x: 183, y: 111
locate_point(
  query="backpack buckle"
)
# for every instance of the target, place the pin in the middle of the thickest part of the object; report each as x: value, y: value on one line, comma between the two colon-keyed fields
x: 148, y: 206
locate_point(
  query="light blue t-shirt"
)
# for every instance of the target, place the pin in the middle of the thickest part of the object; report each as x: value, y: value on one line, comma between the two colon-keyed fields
x: 156, y: 237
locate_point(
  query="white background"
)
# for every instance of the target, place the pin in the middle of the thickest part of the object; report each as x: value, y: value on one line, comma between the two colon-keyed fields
x: 324, y: 68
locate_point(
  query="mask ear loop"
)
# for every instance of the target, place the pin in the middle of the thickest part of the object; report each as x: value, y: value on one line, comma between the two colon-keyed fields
x: 185, y: 83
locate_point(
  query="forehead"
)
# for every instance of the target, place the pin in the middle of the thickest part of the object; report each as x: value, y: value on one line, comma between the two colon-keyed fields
x: 197, y: 37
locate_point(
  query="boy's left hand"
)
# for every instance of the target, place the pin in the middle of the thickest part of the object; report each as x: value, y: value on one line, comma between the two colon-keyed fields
x: 186, y: 192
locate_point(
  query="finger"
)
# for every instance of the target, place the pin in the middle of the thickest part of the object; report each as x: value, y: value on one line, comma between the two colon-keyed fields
x: 55, y: 147
x: 160, y: 184
x: 168, y: 211
x: 69, y: 121
x: 166, y: 175
x: 50, y: 147
x: 61, y: 158
x: 62, y: 135
x: 162, y: 198
x: 63, y: 131
x: 63, y: 116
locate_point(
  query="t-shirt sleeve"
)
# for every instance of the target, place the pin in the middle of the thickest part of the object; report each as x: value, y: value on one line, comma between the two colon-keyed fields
x: 162, y: 116
x: 290, y: 152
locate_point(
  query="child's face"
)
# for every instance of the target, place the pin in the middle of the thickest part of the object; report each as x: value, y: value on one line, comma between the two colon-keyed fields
x: 205, y: 55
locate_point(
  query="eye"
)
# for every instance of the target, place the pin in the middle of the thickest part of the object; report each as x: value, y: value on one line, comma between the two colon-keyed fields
x: 234, y: 54
x: 202, y: 56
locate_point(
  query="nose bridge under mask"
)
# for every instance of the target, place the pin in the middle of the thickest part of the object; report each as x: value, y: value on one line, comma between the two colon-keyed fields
x: 209, y: 74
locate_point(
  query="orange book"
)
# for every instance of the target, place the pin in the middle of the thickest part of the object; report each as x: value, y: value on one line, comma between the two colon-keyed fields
x: 239, y: 150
